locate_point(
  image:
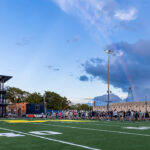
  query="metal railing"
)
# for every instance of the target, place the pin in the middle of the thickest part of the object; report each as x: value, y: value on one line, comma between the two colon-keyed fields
x: 4, y: 102
x: 4, y: 89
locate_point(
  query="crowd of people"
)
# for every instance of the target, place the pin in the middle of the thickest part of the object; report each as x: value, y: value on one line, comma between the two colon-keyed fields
x: 100, y: 115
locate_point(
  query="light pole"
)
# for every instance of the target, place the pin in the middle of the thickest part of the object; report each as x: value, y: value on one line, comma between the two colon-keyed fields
x: 146, y: 103
x: 44, y: 102
x: 109, y: 52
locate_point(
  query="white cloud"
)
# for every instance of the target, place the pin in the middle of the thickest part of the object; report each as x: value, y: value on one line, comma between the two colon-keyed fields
x: 119, y: 53
x: 64, y: 4
x: 97, y: 13
x: 81, y: 7
x: 126, y: 15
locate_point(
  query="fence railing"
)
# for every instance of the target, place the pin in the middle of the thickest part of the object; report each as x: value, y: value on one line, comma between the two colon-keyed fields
x: 4, y: 102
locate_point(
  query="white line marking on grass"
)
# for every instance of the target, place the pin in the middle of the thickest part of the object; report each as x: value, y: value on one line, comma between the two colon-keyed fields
x: 117, y: 124
x: 90, y: 129
x: 45, y: 132
x: 101, y: 124
x: 124, y: 122
x: 137, y: 128
x: 50, y: 139
x: 10, y: 134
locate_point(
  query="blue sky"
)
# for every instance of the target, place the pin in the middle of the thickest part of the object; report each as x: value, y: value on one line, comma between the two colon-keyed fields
x: 58, y: 45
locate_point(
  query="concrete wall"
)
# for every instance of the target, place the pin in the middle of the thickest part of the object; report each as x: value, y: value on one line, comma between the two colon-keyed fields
x: 136, y: 106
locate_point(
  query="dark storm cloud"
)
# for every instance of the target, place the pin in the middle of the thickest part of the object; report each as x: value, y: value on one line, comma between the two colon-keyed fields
x: 84, y: 78
x: 129, y: 66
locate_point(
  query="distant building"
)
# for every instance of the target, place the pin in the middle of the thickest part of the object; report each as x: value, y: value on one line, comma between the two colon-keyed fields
x: 34, y: 108
x: 142, y: 106
x: 18, y: 108
x: 3, y: 92
x: 25, y: 108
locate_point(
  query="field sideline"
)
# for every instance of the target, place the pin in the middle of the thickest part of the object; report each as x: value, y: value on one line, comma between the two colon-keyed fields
x: 73, y: 135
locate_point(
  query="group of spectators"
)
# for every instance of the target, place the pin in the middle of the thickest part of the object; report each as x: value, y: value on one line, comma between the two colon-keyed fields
x: 100, y: 115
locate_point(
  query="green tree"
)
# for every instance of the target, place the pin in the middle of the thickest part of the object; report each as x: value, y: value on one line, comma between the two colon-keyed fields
x: 80, y: 107
x: 35, y: 98
x: 85, y: 107
x: 55, y: 102
x: 16, y: 95
x: 65, y: 103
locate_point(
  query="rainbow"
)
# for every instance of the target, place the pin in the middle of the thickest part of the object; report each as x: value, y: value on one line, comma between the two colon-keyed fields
x: 105, y: 36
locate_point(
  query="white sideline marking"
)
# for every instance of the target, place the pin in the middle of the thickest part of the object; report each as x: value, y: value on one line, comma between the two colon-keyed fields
x: 89, y: 123
x: 50, y: 139
x: 45, y: 132
x: 137, y: 128
x: 10, y: 134
x: 101, y: 130
x: 121, y: 124
x: 127, y: 123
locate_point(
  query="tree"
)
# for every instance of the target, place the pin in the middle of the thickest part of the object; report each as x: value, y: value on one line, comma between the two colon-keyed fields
x: 35, y: 98
x: 55, y: 102
x: 80, y: 107
x: 65, y: 103
x: 85, y: 107
x: 16, y: 95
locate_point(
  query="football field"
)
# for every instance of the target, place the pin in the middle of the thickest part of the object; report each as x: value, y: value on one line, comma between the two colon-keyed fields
x: 73, y: 135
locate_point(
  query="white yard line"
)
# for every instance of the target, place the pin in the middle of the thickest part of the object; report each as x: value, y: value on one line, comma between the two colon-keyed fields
x: 89, y: 123
x: 124, y: 124
x: 107, y: 123
x: 50, y: 139
x: 121, y: 123
x: 90, y: 129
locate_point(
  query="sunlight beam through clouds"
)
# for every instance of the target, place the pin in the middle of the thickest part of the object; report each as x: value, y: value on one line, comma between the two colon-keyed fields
x: 105, y: 14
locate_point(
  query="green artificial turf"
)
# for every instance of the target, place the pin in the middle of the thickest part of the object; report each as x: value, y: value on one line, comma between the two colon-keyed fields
x: 104, y: 135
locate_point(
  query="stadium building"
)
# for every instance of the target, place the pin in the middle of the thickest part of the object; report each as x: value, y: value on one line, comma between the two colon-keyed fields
x: 18, y: 108
x: 3, y: 91
x: 21, y: 109
x: 142, y: 106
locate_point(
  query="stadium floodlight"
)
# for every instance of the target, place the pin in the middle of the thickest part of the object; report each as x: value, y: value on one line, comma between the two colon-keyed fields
x: 109, y: 52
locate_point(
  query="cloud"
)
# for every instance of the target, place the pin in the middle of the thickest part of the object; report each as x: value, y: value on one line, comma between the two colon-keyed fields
x: 126, y: 15
x: 50, y: 66
x: 64, y: 4
x: 53, y: 68
x: 24, y: 42
x: 129, y: 68
x: 101, y: 14
x: 84, y: 78
x: 75, y: 39
x: 56, y: 69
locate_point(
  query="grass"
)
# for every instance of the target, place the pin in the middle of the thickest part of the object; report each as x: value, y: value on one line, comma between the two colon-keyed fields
x: 104, y: 135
